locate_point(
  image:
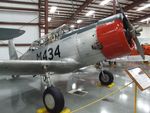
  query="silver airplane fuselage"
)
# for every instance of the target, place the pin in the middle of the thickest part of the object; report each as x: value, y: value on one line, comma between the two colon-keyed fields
x: 83, y: 44
x: 77, y: 46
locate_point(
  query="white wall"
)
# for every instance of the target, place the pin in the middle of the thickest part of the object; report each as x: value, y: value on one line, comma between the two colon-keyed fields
x: 145, y: 34
x: 4, y: 52
x: 31, y: 32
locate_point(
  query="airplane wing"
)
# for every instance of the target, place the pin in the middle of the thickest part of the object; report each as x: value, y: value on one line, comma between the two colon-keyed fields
x: 33, y: 67
x: 8, y: 33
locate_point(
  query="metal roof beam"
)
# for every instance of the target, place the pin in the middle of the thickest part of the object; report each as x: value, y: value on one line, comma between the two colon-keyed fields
x: 19, y: 9
x: 140, y: 18
x: 81, y: 8
x: 18, y: 23
x: 134, y: 4
x: 19, y: 2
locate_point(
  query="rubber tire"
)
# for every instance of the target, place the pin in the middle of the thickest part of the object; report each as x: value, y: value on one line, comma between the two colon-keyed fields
x: 58, y: 98
x: 109, y: 74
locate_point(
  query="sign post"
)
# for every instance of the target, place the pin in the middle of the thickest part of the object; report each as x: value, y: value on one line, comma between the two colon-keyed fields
x: 135, y: 98
x: 141, y: 80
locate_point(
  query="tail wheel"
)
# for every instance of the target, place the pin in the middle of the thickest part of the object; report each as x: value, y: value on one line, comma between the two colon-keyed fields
x: 53, y: 100
x: 105, y: 77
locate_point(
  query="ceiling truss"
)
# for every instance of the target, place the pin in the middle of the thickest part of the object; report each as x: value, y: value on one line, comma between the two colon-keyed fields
x: 71, y: 10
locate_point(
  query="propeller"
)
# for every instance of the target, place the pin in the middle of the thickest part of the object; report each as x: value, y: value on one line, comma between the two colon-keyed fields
x: 132, y: 32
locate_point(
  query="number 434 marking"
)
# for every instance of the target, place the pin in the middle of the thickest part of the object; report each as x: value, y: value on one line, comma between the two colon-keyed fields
x: 49, y: 54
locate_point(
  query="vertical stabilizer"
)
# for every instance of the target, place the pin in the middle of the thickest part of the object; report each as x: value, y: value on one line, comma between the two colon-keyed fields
x: 12, y: 51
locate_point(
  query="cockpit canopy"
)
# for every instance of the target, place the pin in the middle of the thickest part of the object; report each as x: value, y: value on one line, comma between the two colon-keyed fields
x: 54, y: 35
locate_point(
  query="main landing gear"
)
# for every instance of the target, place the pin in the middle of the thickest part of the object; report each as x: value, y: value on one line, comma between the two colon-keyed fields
x: 53, y: 99
x: 105, y: 77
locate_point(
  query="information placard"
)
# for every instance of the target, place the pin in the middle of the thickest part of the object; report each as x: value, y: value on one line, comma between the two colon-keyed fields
x: 139, y: 77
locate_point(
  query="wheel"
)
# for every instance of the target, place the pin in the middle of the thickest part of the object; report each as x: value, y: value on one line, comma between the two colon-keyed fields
x: 53, y: 100
x: 15, y: 76
x: 105, y: 77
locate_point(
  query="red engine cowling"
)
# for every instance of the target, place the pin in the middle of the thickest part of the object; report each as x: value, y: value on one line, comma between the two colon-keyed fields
x: 112, y: 37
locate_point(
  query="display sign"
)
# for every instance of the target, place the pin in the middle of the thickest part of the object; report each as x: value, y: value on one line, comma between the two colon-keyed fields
x: 139, y: 77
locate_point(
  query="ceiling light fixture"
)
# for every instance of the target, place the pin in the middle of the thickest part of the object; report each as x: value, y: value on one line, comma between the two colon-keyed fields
x: 49, y: 19
x: 72, y: 26
x: 104, y: 2
x: 89, y: 13
x: 144, y: 7
x: 79, y: 21
x: 53, y: 9
x: 145, y: 20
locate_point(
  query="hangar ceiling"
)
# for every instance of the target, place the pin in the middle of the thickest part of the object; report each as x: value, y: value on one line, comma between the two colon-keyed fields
x: 69, y: 11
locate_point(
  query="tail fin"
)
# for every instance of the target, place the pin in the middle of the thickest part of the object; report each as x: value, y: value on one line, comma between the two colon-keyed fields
x: 12, y: 51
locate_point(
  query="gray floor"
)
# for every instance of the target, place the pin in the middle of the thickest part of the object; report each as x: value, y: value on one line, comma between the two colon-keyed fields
x: 24, y: 95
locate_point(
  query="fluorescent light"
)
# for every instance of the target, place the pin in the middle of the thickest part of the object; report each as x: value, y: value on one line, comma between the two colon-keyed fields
x: 123, y: 97
x: 131, y: 85
x: 42, y: 34
x: 72, y: 26
x: 103, y: 111
x: 90, y: 13
x: 145, y: 20
x: 74, y: 86
x: 104, y: 2
x: 79, y: 21
x: 144, y: 7
x: 49, y: 19
x: 53, y: 9
x: 141, y: 103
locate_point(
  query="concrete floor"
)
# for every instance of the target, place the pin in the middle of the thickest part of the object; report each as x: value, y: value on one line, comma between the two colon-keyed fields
x: 24, y: 95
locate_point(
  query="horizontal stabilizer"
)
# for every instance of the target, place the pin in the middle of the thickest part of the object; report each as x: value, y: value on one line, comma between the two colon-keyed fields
x: 8, y: 33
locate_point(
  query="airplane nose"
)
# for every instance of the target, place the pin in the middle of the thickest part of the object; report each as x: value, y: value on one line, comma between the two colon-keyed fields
x: 112, y: 37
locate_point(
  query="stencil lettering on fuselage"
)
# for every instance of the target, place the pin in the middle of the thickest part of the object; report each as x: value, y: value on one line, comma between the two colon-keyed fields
x: 49, y: 54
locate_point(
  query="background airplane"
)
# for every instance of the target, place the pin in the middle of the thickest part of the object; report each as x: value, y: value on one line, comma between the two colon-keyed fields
x: 146, y: 49
x: 134, y: 56
x: 63, y: 51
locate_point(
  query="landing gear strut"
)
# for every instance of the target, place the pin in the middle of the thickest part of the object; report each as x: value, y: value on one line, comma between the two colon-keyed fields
x: 53, y: 99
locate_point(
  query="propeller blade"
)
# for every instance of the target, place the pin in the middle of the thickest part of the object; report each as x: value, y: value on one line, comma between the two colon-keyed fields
x: 139, y: 47
x: 133, y: 32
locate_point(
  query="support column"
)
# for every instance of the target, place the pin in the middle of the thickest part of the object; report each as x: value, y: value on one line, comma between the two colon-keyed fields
x: 39, y: 4
x: 114, y: 6
x: 46, y: 16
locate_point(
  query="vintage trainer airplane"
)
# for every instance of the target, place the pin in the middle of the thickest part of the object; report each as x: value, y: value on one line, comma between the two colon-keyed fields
x: 63, y: 51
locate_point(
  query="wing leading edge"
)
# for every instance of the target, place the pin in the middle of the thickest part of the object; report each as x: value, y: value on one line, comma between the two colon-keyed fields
x: 33, y: 67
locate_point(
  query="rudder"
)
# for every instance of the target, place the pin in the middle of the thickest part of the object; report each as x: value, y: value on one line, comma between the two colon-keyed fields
x: 12, y: 51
